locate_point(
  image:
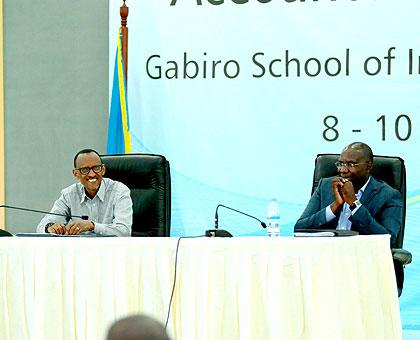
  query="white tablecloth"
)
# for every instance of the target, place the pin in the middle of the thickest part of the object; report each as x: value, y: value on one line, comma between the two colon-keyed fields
x: 247, y: 288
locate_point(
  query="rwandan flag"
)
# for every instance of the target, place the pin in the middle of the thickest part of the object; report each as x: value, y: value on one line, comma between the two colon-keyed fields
x: 119, y: 140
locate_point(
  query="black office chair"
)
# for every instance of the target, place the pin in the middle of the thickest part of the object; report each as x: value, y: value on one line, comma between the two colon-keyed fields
x: 392, y: 171
x: 4, y: 233
x: 149, y: 180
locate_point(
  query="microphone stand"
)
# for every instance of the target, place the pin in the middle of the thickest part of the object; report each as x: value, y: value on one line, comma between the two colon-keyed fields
x: 83, y: 217
x: 216, y: 232
x: 6, y: 233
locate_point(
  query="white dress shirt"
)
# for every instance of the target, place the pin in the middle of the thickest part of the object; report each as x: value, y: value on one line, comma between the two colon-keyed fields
x: 111, y: 210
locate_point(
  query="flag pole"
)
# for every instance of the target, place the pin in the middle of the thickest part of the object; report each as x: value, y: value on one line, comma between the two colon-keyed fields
x: 124, y: 36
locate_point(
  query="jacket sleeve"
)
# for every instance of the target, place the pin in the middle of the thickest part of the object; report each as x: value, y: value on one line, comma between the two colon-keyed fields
x: 384, y: 219
x: 314, y: 215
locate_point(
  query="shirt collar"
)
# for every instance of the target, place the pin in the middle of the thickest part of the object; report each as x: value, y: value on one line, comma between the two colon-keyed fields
x: 100, y: 194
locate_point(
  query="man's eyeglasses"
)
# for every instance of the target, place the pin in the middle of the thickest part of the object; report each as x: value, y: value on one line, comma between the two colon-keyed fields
x: 347, y: 165
x: 85, y: 170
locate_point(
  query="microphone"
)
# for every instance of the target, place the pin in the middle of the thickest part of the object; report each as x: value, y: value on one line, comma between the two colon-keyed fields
x: 216, y: 232
x: 6, y: 233
x: 83, y: 217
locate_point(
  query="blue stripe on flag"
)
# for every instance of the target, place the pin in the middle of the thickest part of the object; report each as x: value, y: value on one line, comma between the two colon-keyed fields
x: 119, y: 140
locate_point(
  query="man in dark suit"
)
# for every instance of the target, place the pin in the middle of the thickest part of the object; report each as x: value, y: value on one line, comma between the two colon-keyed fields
x: 354, y: 199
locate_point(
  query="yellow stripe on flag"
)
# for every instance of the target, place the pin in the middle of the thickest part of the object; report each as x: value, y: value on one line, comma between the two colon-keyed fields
x: 127, y: 138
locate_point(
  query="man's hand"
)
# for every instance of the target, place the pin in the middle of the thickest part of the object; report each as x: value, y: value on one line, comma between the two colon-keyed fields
x: 336, y: 186
x: 79, y: 226
x: 57, y: 229
x: 347, y: 191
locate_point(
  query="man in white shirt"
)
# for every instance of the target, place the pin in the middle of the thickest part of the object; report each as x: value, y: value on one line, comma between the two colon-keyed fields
x: 105, y: 202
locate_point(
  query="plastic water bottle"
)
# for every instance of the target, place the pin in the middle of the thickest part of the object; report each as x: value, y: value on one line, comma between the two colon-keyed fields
x: 273, y: 219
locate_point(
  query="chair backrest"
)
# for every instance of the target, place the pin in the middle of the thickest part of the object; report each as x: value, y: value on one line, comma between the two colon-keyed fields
x: 148, y: 178
x: 386, y: 168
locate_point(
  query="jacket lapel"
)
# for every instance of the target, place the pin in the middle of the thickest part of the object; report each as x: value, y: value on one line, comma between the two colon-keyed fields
x: 370, y: 191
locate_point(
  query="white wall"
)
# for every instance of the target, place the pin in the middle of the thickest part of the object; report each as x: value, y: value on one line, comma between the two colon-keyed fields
x: 56, y: 97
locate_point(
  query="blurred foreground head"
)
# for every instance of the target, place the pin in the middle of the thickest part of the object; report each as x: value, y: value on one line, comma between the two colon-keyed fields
x: 137, y: 327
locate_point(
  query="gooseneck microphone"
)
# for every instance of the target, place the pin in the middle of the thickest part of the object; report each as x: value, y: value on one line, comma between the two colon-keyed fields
x: 83, y: 217
x: 216, y: 232
x: 6, y: 233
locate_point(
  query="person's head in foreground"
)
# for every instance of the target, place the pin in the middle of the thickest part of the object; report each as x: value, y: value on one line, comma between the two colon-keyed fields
x: 137, y: 327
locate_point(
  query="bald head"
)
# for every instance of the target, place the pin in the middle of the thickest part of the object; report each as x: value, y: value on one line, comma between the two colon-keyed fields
x: 363, y: 149
x: 137, y: 327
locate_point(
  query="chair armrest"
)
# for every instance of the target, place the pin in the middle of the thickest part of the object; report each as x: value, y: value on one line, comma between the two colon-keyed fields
x: 401, y: 255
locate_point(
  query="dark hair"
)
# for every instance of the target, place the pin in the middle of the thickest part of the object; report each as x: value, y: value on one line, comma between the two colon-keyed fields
x: 362, y: 147
x: 83, y: 152
x: 141, y: 327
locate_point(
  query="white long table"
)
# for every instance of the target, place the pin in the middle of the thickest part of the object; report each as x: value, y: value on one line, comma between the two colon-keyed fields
x: 246, y: 288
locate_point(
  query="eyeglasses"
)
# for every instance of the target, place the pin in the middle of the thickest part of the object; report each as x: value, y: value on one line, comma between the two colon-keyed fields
x: 85, y: 170
x: 347, y: 165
